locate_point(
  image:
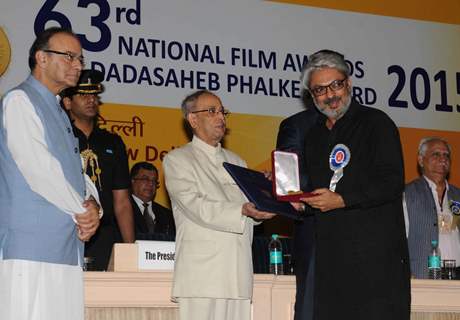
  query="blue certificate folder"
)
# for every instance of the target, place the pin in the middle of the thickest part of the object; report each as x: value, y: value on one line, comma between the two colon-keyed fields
x: 258, y: 190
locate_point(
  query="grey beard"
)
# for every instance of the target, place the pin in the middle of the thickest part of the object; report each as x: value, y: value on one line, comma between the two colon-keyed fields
x: 337, y: 113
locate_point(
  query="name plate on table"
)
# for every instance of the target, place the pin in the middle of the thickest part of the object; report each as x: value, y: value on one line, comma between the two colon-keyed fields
x: 156, y: 255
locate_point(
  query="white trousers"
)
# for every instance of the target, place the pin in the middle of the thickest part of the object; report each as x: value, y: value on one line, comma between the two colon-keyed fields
x: 214, y: 309
x: 31, y: 290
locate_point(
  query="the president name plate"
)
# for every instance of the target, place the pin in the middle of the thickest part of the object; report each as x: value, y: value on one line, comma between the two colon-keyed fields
x: 156, y: 255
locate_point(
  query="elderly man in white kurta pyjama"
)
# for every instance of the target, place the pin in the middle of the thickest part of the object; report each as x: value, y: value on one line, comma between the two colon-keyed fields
x: 214, y: 222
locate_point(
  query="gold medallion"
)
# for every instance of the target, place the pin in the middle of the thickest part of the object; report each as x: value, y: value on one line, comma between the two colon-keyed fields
x: 90, y: 162
x: 5, y: 52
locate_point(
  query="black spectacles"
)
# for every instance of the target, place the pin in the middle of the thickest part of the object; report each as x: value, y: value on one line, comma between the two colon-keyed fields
x: 333, y: 86
x: 213, y: 111
x: 69, y: 56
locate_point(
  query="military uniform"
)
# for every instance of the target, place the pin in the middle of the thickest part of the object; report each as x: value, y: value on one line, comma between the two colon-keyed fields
x: 106, y: 163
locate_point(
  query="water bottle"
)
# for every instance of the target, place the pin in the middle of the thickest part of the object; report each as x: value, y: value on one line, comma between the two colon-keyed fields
x: 434, y: 262
x: 275, y: 249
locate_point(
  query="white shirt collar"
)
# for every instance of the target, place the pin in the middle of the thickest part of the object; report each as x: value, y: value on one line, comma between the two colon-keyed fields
x: 140, y: 203
x: 433, y: 185
x: 440, y: 207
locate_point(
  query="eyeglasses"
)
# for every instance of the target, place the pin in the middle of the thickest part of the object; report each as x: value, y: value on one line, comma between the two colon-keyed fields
x: 213, y: 111
x: 69, y: 56
x: 440, y: 155
x: 333, y: 86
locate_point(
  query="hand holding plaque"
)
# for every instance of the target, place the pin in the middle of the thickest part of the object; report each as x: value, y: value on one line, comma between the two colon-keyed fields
x: 286, y: 179
x: 258, y: 190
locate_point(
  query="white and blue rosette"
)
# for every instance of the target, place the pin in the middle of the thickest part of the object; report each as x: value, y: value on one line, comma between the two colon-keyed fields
x: 338, y: 159
x: 454, y: 207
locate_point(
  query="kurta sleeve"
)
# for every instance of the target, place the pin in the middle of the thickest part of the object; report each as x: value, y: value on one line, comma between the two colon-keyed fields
x: 382, y: 175
x: 25, y: 138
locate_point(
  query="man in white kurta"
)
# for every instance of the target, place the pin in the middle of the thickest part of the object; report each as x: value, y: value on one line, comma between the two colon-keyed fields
x: 214, y: 222
x: 37, y: 289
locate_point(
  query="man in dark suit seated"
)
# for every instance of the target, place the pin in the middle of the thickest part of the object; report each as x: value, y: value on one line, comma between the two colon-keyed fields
x: 149, y: 217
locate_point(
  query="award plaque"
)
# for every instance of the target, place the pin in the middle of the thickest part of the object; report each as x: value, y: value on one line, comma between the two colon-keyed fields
x: 286, y: 179
x: 258, y: 190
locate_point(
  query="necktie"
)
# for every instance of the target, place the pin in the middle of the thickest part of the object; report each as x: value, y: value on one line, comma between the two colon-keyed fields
x: 148, y: 218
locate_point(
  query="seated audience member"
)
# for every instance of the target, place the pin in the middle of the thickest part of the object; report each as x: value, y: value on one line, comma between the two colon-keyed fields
x: 149, y: 216
x: 428, y: 207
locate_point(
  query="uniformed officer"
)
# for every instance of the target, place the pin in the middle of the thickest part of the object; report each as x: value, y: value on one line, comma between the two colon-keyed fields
x: 105, y: 161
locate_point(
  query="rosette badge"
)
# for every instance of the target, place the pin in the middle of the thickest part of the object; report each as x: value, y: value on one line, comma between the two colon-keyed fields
x: 339, y: 158
x: 455, y: 207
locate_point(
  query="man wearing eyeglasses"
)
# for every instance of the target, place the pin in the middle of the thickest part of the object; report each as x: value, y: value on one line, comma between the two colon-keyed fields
x: 214, y: 222
x: 106, y: 162
x: 432, y: 208
x: 44, y: 216
x: 151, y: 220
x: 354, y: 165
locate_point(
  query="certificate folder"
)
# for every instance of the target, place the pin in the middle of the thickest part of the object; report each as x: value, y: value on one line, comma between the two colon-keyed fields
x: 258, y: 190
